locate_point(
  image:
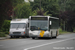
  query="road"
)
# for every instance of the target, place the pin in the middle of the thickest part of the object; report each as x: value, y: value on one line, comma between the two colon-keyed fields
x: 63, y: 42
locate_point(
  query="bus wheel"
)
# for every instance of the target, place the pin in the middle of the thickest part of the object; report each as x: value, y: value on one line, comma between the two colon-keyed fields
x: 23, y: 36
x: 27, y: 36
x: 11, y: 37
x: 33, y: 37
x: 55, y: 37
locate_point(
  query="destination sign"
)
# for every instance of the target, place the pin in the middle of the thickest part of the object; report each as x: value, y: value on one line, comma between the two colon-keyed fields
x: 38, y: 18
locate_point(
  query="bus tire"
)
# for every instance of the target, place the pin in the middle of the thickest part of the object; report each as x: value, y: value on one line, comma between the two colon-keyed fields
x: 11, y: 37
x: 27, y: 36
x: 55, y: 37
x: 33, y: 37
x: 23, y: 36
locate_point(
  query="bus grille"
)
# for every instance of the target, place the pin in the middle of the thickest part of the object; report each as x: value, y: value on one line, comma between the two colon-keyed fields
x: 16, y: 32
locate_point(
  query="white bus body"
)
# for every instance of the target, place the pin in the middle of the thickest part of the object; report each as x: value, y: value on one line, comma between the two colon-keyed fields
x: 43, y: 26
x: 19, y: 27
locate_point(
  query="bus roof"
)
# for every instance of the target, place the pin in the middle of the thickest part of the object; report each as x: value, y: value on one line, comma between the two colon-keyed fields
x: 19, y: 21
x: 40, y: 16
x: 44, y: 16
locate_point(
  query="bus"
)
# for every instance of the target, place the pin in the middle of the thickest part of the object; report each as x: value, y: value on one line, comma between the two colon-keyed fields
x: 43, y: 26
x: 19, y: 28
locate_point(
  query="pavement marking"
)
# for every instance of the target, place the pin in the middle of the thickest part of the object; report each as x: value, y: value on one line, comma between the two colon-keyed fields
x: 48, y: 43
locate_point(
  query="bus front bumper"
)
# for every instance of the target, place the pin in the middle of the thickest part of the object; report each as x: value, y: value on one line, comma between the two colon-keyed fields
x: 46, y: 35
x: 16, y: 35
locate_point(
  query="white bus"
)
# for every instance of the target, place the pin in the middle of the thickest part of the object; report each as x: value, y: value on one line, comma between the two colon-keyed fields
x: 19, y: 27
x: 43, y: 26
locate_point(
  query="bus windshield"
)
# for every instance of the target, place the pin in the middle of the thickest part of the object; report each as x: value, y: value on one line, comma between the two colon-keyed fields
x: 17, y: 25
x: 39, y: 25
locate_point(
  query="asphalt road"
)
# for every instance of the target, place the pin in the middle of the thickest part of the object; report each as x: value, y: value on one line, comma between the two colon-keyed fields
x: 63, y: 42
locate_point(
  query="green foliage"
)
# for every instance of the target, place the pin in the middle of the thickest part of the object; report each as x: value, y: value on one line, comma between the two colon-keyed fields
x: 2, y: 34
x: 67, y: 14
x: 49, y: 6
x: 34, y: 13
x: 74, y: 30
x: 67, y: 5
x: 15, y: 2
x: 22, y: 10
x: 5, y: 10
x: 70, y: 5
x: 40, y: 12
x: 5, y: 26
x: 62, y: 32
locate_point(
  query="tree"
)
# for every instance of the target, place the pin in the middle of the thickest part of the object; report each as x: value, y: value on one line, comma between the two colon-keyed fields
x: 15, y: 2
x: 22, y: 10
x: 48, y: 5
x: 40, y: 12
x: 67, y: 5
x: 5, y: 10
x: 67, y: 11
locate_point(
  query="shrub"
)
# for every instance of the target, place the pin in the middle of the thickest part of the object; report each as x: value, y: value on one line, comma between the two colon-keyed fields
x: 2, y: 34
x: 5, y: 26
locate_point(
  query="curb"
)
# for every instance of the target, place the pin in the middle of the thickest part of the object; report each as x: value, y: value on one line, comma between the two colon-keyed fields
x: 64, y: 33
x: 3, y: 38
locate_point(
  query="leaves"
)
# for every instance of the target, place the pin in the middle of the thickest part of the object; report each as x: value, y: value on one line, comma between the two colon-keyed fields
x: 51, y: 6
x: 65, y: 9
x: 67, y: 14
x: 22, y: 10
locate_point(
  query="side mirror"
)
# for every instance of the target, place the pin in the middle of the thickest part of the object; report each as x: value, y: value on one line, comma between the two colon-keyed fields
x: 50, y: 22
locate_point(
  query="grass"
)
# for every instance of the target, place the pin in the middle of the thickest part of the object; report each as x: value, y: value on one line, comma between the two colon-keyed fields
x: 63, y: 32
x: 74, y: 30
